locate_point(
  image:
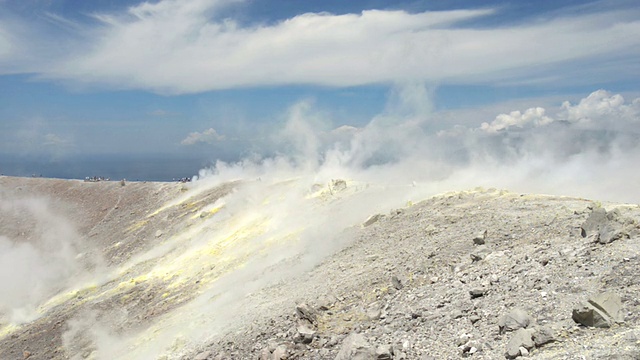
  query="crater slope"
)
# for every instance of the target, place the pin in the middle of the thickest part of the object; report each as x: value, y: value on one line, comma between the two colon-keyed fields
x: 290, y: 269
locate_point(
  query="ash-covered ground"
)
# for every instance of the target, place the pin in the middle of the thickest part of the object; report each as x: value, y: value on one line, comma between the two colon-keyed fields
x: 296, y: 269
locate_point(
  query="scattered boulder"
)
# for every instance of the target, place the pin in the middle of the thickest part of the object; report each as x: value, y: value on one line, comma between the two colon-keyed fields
x: 159, y: 233
x: 305, y: 332
x: 203, y: 355
x: 306, y: 312
x: 468, y: 350
x: 476, y: 293
x: 611, y: 232
x: 372, y: 219
x: 523, y: 351
x: 265, y: 354
x: 384, y: 352
x: 543, y: 335
x: 481, y: 238
x: 479, y: 254
x: 606, y: 227
x: 325, y: 302
x: 280, y: 353
x: 514, y: 320
x: 596, y: 219
x: 374, y: 311
x: 610, y: 303
x: 396, y: 283
x: 356, y: 347
x: 600, y: 311
x: 588, y: 315
x: 522, y: 338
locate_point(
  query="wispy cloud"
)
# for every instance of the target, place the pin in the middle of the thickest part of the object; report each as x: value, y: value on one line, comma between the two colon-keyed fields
x: 63, y: 22
x: 55, y: 141
x: 5, y: 44
x: 208, y: 136
x: 162, y: 113
x: 183, y: 47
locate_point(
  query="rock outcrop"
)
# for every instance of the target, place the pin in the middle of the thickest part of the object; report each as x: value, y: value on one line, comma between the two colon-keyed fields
x: 600, y: 311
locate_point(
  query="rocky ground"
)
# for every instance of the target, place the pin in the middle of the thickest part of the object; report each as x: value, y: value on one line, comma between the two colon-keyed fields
x: 484, y: 274
x: 440, y: 279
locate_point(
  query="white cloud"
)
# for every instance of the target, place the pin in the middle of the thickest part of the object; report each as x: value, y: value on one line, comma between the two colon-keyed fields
x: 601, y: 106
x: 345, y: 130
x: 599, y: 110
x: 533, y: 116
x: 55, y: 141
x: 208, y: 136
x: 5, y: 44
x: 182, y: 47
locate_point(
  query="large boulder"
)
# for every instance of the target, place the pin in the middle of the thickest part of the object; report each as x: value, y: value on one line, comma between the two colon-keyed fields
x: 514, y: 320
x: 605, y: 227
x: 306, y: 312
x: 280, y: 353
x: 384, y: 352
x: 600, y: 311
x: 596, y: 219
x: 356, y: 347
x: 543, y: 335
x: 304, y: 332
x: 521, y: 339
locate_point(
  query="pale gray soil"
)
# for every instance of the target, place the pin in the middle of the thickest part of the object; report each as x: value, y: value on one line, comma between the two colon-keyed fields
x: 536, y: 260
x: 170, y: 287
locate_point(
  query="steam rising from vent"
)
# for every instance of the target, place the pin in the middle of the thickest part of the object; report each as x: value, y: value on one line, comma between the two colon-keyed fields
x: 290, y: 211
x: 297, y: 214
x: 574, y: 151
x: 40, y: 254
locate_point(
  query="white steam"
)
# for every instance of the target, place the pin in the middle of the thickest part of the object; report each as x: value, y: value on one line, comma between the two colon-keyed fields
x: 291, y: 211
x: 579, y: 151
x: 586, y: 149
x: 38, y: 256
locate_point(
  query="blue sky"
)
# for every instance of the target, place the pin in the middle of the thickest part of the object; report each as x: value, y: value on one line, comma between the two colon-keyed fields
x: 209, y: 79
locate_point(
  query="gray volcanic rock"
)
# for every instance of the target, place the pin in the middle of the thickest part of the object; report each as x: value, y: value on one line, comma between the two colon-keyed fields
x: 280, y: 353
x: 397, y: 284
x: 610, y: 303
x: 305, y: 332
x: 522, y: 338
x: 605, y: 227
x: 514, y: 320
x: 596, y: 220
x: 543, y: 335
x: 306, y: 312
x: 384, y: 352
x: 588, y: 315
x: 601, y: 311
x: 481, y: 238
x: 203, y: 355
x: 356, y: 347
